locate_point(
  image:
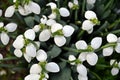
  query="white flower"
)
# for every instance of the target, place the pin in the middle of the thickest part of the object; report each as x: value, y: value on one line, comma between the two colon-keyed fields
x: 116, y: 66
x: 52, y: 16
x: 45, y: 35
x: 73, y: 5
x: 35, y: 69
x: 19, y: 42
x: 52, y: 67
x: 50, y: 22
x: 111, y: 38
x: 55, y: 27
x: 43, y: 19
x: 10, y: 11
x: 90, y: 22
x: 64, y: 12
x: 41, y: 55
x: 29, y: 34
x: 1, y: 56
x: 0, y: 12
x: 90, y: 56
x: 70, y: 5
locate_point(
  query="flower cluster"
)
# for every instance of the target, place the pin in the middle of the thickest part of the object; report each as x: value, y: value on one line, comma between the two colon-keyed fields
x: 53, y: 36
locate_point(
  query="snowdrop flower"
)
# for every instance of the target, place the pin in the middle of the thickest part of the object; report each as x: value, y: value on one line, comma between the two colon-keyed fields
x: 81, y: 69
x: 4, y: 30
x: 0, y: 12
x: 64, y: 12
x: 59, y: 32
x: 73, y: 5
x: 27, y: 8
x: 113, y: 43
x: 88, y: 50
x: 116, y: 67
x: 90, y: 22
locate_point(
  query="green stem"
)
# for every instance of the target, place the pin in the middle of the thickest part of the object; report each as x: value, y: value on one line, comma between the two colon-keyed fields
x: 98, y: 77
x: 76, y: 15
x: 83, y: 6
x: 80, y: 34
x: 70, y: 49
x: 108, y: 5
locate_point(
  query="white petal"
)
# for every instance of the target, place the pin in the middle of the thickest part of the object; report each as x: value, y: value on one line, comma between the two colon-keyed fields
x: 92, y: 58
x: 68, y: 30
x: 1, y: 24
x: 50, y: 22
x: 111, y: 38
x: 91, y: 1
x: 107, y: 51
x: 35, y: 69
x: 112, y: 62
x: 81, y: 69
x: 0, y: 12
x: 4, y: 38
x: 90, y: 31
x: 32, y: 77
x: 81, y: 44
x: 45, y: 35
x: 11, y: 27
x: 96, y: 42
x: 29, y: 34
x: 90, y: 15
x: 27, y: 58
x: 43, y: 20
x: 80, y: 77
x: 52, y: 16
x: 119, y: 64
x: 59, y: 40
x: 118, y: 40
x: 75, y: 2
x: 35, y: 8
x: 117, y: 48
x: 72, y: 58
x: 10, y: 11
x: 41, y: 55
x: 18, y: 53
x: 31, y: 50
x: 82, y: 56
x: 87, y: 25
x: 24, y: 10
x: 36, y: 28
x: 52, y: 5
x: 52, y: 67
x: 1, y: 56
x: 114, y: 71
x: 64, y: 12
x: 70, y: 5
x: 55, y: 27
x: 19, y: 42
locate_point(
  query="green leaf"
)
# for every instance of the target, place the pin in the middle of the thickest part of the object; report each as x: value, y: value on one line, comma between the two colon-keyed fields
x: 106, y: 14
x: 55, y: 51
x: 64, y: 74
x: 29, y: 21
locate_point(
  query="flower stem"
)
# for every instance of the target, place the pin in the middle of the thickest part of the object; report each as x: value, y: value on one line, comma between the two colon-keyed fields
x: 98, y: 77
